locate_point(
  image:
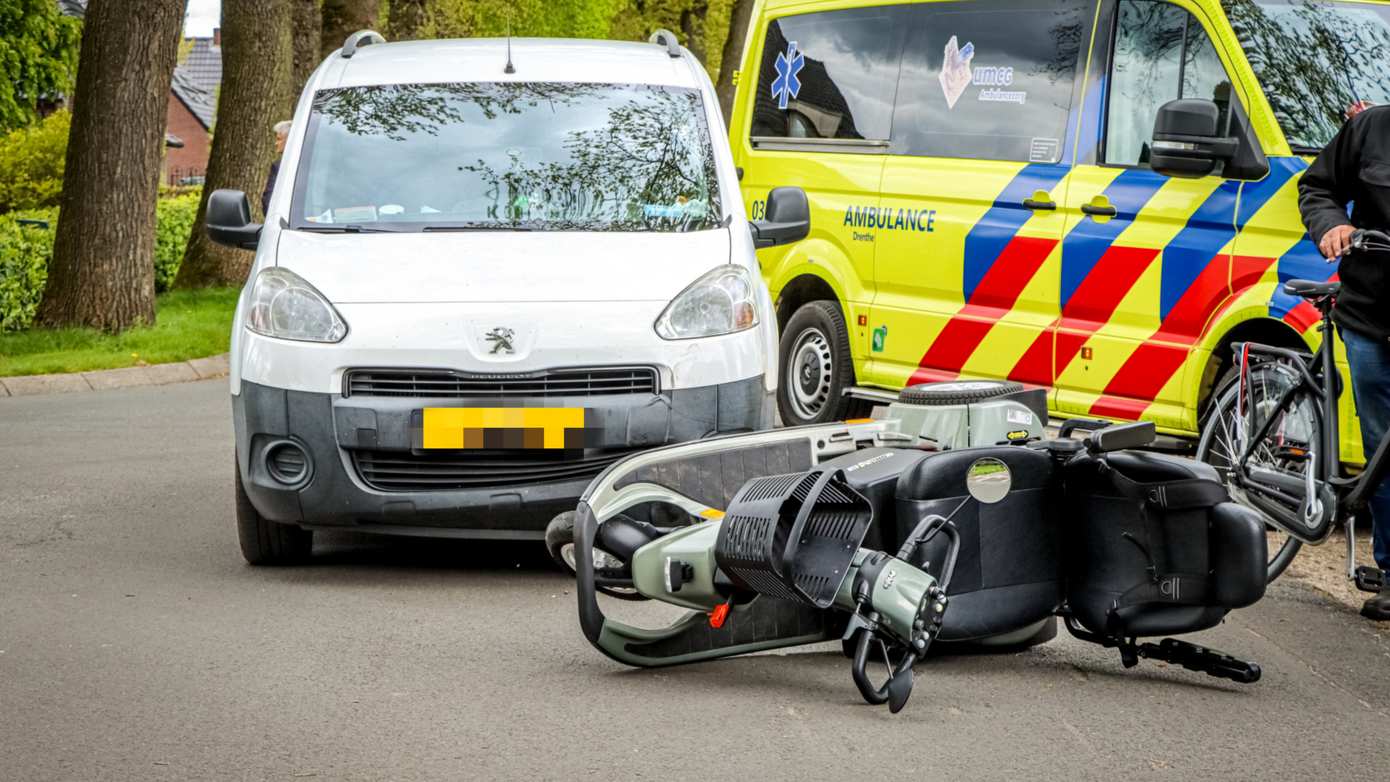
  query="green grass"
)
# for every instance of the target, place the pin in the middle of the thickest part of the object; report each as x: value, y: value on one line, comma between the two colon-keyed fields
x: 189, y: 324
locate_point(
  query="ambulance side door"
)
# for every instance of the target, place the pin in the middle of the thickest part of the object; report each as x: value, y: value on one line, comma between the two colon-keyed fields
x: 1147, y: 258
x: 969, y: 226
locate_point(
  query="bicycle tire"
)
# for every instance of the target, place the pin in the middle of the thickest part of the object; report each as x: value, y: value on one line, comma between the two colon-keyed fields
x: 1207, y: 452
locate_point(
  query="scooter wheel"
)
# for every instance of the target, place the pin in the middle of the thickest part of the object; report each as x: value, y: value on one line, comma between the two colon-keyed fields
x: 559, y: 541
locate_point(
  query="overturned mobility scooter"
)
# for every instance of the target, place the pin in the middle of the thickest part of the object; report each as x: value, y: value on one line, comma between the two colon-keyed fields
x: 949, y: 520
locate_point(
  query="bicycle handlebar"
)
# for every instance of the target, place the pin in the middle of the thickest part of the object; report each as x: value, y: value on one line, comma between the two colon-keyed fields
x: 1369, y: 240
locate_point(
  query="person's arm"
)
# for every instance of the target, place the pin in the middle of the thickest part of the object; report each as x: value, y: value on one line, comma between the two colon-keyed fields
x: 1325, y: 190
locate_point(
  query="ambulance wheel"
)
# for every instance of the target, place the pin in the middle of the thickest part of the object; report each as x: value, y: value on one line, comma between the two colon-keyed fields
x: 957, y: 392
x: 816, y: 366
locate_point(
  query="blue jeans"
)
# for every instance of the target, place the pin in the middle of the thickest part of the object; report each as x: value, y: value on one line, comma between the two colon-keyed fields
x: 1370, y: 383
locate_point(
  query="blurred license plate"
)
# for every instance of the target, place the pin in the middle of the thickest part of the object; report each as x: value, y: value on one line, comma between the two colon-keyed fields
x: 501, y: 428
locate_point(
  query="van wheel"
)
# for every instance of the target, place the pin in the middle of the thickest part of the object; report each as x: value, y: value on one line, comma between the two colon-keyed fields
x: 265, y: 542
x: 816, y: 366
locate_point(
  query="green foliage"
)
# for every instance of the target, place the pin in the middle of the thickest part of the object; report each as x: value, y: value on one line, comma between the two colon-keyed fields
x: 25, y: 251
x: 31, y: 163
x: 24, y: 254
x: 706, y: 21
x: 38, y: 58
x: 191, y: 324
x: 172, y: 227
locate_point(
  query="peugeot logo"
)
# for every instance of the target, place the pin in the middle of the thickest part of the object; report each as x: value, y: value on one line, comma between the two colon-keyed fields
x: 501, y: 339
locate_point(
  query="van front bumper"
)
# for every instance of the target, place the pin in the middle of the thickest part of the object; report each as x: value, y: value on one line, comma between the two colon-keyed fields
x: 346, y: 440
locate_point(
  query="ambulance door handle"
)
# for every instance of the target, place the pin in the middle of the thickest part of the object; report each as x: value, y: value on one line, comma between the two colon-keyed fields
x: 1034, y: 203
x: 1099, y: 211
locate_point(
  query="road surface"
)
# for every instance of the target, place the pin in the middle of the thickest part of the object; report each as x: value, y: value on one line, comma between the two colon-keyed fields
x: 135, y: 644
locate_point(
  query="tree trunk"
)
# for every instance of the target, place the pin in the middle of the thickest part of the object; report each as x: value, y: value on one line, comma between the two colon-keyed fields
x: 733, y: 56
x: 305, y: 43
x: 693, y: 28
x: 256, y: 66
x: 102, y: 272
x: 342, y: 18
x: 406, y: 19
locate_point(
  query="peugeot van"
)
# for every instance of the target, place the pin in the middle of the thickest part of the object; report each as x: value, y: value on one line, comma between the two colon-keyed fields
x: 1093, y: 197
x: 488, y: 269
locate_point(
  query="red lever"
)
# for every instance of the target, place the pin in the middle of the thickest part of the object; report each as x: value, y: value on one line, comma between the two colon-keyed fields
x: 719, y: 614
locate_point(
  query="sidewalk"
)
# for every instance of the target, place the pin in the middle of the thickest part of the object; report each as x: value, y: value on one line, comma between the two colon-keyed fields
x: 152, y: 375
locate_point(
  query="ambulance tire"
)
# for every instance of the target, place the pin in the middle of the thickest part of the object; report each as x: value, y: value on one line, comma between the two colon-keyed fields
x: 957, y: 392
x: 816, y: 366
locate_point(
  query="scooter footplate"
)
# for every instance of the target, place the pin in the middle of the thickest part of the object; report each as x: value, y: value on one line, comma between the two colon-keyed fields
x: 766, y: 623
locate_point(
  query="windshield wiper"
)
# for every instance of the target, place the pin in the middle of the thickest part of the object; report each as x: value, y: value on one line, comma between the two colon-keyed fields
x: 351, y: 228
x: 476, y: 227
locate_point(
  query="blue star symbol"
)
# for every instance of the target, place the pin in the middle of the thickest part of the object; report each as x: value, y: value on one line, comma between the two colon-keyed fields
x: 786, y: 85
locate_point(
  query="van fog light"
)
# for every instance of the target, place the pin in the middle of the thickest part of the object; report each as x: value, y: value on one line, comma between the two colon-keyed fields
x: 287, y: 462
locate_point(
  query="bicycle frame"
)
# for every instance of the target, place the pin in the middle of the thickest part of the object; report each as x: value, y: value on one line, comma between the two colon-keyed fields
x: 1269, y: 491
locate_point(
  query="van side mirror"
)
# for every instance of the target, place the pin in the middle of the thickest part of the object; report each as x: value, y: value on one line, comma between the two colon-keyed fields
x: 1188, y: 140
x: 229, y: 220
x: 787, y: 220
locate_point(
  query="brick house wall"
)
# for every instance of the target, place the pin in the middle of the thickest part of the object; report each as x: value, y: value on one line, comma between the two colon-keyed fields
x: 192, y: 158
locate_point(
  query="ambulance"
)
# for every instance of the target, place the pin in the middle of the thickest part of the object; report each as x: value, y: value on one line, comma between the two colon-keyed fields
x: 1093, y: 196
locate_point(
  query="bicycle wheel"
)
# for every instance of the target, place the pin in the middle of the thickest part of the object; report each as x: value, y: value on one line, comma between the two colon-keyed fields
x: 1285, y: 450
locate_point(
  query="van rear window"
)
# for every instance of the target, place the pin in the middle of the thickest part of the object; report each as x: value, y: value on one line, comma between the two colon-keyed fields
x: 507, y: 156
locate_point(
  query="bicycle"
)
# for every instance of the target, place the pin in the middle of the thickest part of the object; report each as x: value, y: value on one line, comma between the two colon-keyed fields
x: 1273, y: 437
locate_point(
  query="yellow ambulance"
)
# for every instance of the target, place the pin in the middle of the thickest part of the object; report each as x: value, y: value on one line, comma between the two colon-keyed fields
x: 988, y: 201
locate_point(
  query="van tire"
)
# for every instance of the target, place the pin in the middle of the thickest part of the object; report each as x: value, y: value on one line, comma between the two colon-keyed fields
x: 266, y: 542
x: 816, y: 366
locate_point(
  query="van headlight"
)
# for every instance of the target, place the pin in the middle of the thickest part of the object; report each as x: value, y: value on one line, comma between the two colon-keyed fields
x: 284, y: 306
x: 720, y: 302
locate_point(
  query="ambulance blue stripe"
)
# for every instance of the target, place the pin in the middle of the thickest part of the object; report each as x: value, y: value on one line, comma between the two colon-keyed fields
x: 988, y: 238
x: 1089, y: 239
x: 1301, y: 262
x: 1214, y: 223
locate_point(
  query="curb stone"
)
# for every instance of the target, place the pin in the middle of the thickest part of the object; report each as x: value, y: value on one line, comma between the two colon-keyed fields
x: 128, y: 377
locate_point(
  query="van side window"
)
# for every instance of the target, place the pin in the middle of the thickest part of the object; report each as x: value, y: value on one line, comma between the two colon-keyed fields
x: 990, y: 81
x: 1161, y: 54
x: 829, y: 75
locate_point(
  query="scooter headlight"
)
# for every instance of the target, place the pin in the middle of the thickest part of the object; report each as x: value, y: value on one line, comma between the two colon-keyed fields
x: 284, y: 306
x: 720, y: 302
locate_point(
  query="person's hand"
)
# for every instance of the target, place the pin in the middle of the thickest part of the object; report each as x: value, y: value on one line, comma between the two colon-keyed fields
x: 1336, y: 241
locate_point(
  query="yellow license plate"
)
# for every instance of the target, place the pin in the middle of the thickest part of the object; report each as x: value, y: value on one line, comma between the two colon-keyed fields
x: 457, y: 428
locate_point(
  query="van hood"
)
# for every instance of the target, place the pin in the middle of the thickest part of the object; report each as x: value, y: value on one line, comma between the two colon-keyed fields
x: 501, y: 266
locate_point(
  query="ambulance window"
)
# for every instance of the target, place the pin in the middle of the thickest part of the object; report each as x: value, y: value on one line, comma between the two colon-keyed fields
x: 990, y: 83
x: 829, y: 75
x: 1161, y: 54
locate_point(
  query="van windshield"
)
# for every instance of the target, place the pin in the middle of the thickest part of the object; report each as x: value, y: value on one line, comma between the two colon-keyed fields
x: 1315, y: 59
x: 507, y: 156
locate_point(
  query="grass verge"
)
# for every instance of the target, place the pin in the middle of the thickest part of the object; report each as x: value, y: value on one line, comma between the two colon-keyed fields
x: 189, y: 324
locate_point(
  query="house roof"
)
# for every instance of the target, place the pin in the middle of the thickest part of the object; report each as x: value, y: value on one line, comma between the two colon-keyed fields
x: 196, y: 80
x: 77, y: 8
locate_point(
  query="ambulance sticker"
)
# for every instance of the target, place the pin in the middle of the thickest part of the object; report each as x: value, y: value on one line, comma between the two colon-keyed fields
x: 880, y: 337
x: 786, y: 86
x: 955, y: 70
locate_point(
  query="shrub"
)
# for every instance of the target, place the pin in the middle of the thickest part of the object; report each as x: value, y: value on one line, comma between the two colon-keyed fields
x: 172, y: 227
x: 31, y: 164
x: 25, y: 250
x: 24, y: 254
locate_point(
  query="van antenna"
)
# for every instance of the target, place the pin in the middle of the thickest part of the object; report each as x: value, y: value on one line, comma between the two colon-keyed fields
x: 510, y: 68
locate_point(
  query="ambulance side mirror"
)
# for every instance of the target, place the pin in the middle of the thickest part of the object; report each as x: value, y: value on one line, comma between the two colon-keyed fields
x: 787, y: 220
x: 1188, y: 141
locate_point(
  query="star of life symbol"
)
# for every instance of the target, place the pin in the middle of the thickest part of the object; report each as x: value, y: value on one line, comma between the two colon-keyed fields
x: 501, y: 339
x: 786, y: 85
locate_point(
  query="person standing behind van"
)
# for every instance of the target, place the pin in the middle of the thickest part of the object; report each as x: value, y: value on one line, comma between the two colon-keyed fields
x: 1354, y: 169
x: 282, y: 134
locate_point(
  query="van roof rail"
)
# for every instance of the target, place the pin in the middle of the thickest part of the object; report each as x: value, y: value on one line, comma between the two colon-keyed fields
x: 359, y: 39
x: 664, y: 37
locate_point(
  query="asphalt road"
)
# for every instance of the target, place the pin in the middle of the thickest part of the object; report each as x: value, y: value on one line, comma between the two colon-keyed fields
x: 135, y: 644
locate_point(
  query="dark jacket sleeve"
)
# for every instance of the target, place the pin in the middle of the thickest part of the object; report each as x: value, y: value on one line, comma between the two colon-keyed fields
x: 1326, y: 187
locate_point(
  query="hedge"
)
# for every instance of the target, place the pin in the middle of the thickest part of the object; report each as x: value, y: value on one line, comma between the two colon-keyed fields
x: 31, y: 163
x: 25, y: 250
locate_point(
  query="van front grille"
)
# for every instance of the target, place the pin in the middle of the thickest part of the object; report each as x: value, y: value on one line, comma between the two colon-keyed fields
x: 443, y: 471
x: 449, y: 384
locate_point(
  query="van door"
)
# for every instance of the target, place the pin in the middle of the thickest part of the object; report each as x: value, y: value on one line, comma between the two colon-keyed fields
x: 968, y: 229
x: 1147, y: 258
x: 819, y: 120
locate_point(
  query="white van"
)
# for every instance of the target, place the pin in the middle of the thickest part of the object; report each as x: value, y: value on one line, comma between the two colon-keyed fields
x: 490, y: 268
